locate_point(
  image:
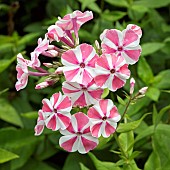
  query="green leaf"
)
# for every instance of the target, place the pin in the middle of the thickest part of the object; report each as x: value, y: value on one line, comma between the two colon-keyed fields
x: 161, y: 81
x: 152, y: 3
x: 83, y: 167
x: 30, y: 115
x: 153, y: 162
x: 121, y: 101
x: 153, y: 93
x: 3, y: 91
x: 37, y: 165
x: 161, y: 144
x: 126, y: 127
x: 9, y: 114
x: 28, y: 38
x: 100, y: 165
x: 5, y: 63
x: 144, y: 71
x: 6, y: 156
x: 120, y: 3
x: 94, y: 7
x: 125, y: 140
x: 105, y: 93
x: 151, y: 47
x: 113, y: 16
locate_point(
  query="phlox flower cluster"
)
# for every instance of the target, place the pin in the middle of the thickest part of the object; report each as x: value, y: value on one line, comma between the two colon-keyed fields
x: 87, y: 71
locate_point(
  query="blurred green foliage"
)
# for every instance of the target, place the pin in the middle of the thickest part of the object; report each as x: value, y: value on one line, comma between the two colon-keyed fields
x: 146, y: 140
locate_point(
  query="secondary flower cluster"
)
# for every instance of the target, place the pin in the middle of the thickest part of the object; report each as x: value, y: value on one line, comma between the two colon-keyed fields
x: 87, y: 71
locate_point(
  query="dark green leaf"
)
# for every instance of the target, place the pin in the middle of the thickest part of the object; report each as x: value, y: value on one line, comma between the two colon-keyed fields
x: 145, y: 71
x: 120, y: 3
x: 100, y: 165
x: 151, y: 47
x: 121, y: 101
x: 9, y: 114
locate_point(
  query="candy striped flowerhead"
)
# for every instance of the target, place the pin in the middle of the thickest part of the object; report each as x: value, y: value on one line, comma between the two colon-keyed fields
x: 104, y: 117
x: 82, y: 95
x: 79, y: 64
x: 112, y: 72
x: 77, y: 137
x: 125, y: 43
x: 57, y: 111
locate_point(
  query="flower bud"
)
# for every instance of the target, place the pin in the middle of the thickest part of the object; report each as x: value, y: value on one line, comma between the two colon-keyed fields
x: 132, y: 84
x: 143, y: 90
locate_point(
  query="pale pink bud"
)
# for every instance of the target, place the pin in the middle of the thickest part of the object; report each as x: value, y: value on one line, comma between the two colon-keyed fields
x: 143, y: 90
x: 59, y: 70
x: 49, y: 65
x: 44, y: 84
x: 132, y: 85
x: 97, y: 44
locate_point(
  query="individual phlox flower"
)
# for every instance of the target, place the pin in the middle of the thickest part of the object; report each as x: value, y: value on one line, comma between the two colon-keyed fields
x: 125, y: 43
x: 22, y: 72
x: 111, y: 72
x: 135, y: 28
x: 77, y: 136
x: 79, y: 64
x: 82, y: 95
x: 55, y: 33
x: 57, y: 111
x: 73, y: 21
x: 104, y: 117
x: 40, y: 124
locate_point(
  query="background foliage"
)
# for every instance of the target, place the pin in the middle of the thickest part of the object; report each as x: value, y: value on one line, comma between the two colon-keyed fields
x: 145, y: 141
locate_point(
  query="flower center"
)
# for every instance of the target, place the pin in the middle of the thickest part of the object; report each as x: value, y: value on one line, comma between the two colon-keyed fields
x: 55, y: 110
x: 79, y: 133
x: 82, y: 65
x: 104, y: 118
x: 120, y: 48
x: 112, y: 71
x: 84, y: 88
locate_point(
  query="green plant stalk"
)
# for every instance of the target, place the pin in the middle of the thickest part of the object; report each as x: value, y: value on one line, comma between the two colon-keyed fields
x: 120, y: 146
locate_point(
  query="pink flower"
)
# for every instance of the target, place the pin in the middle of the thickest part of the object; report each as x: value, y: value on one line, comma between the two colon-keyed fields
x: 57, y: 110
x: 104, y: 117
x: 40, y: 124
x: 73, y: 21
x: 135, y: 28
x: 77, y: 137
x: 111, y: 72
x: 82, y: 95
x: 125, y: 43
x: 55, y: 33
x: 79, y: 64
x: 22, y: 72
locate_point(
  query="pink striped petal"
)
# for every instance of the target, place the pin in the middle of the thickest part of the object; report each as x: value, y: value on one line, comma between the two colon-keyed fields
x: 69, y: 57
x: 52, y: 124
x: 67, y: 142
x: 133, y: 54
x: 103, y: 106
x: 88, y: 144
x: 65, y: 104
x: 93, y: 113
x: 101, y: 80
x: 64, y: 119
x: 109, y: 130
x: 117, y: 83
x: 95, y: 130
x: 46, y: 106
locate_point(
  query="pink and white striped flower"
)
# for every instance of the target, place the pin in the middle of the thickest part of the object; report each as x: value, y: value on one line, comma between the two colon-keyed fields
x: 104, y: 117
x: 40, y: 124
x: 22, y: 72
x: 79, y: 64
x: 73, y: 21
x: 125, y: 43
x: 77, y: 137
x: 57, y: 111
x: 111, y: 72
x: 55, y: 33
x: 82, y: 95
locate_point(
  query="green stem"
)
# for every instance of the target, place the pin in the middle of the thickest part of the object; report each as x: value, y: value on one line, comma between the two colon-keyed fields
x: 120, y: 146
